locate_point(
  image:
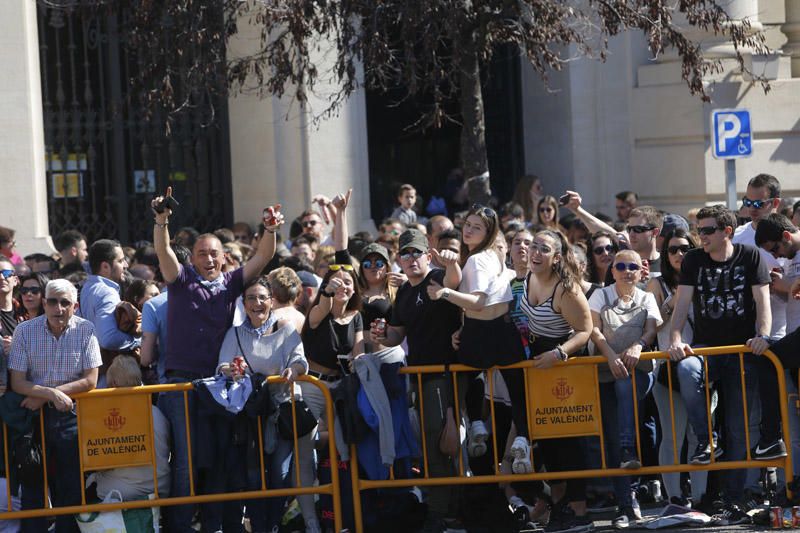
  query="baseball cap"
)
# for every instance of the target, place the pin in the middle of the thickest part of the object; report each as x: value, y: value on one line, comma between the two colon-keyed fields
x: 413, y: 238
x: 307, y: 278
x: 375, y: 248
x: 673, y: 222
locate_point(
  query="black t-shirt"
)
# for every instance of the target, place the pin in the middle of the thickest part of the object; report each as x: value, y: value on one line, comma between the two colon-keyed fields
x: 377, y: 308
x: 329, y: 339
x: 8, y: 322
x: 724, y: 309
x: 429, y: 324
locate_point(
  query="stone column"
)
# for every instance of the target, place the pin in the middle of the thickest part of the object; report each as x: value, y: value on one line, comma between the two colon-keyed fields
x: 24, y: 187
x: 792, y: 31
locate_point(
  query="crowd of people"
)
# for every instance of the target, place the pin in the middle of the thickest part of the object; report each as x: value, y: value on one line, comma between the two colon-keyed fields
x: 490, y: 286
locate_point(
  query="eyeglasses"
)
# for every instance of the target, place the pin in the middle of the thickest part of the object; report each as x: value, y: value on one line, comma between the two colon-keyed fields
x: 408, y: 254
x: 10, y: 244
x: 541, y: 248
x: 546, y: 209
x: 755, y: 204
x: 7, y: 273
x: 600, y: 250
x: 631, y: 267
x: 52, y: 302
x: 683, y: 248
x: 310, y: 223
x: 30, y: 290
x: 257, y: 298
x: 480, y: 208
x: 641, y: 229
x: 708, y: 230
x: 369, y: 263
x: 336, y: 268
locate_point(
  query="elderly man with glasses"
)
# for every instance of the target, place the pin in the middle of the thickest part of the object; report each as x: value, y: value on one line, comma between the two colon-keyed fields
x: 54, y: 356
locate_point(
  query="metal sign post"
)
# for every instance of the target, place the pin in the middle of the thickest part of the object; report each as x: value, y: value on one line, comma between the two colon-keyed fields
x: 732, y: 139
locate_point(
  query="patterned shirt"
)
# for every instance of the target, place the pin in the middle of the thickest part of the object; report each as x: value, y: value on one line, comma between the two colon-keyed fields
x: 49, y: 361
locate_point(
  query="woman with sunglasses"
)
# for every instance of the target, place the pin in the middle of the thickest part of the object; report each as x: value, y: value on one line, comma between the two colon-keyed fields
x: 676, y: 244
x: 377, y: 292
x: 547, y: 210
x: 488, y: 337
x: 31, y: 296
x: 602, y: 247
x: 625, y: 319
x: 333, y: 335
x: 559, y: 325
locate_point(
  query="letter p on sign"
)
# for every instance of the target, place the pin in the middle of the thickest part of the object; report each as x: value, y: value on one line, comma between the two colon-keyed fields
x: 731, y: 134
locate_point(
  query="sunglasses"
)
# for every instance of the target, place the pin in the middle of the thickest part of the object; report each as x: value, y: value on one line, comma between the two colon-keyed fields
x: 683, y: 248
x: 546, y: 209
x: 52, y: 302
x: 369, y: 263
x: 310, y: 223
x: 406, y: 255
x: 7, y: 273
x: 599, y: 250
x: 641, y: 229
x: 708, y: 230
x: 755, y: 204
x: 631, y: 267
x: 336, y: 268
x: 30, y: 290
x: 542, y: 249
x: 480, y: 208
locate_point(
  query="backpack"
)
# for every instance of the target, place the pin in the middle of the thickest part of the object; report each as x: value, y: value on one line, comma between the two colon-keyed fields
x: 622, y: 327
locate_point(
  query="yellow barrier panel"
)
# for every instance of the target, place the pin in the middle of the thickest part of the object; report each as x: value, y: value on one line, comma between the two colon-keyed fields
x: 117, y: 419
x: 537, y: 397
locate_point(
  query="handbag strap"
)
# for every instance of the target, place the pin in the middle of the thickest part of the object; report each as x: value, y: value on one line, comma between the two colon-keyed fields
x: 241, y: 350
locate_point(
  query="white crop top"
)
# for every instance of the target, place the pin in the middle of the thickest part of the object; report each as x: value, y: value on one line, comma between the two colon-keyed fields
x: 483, y: 273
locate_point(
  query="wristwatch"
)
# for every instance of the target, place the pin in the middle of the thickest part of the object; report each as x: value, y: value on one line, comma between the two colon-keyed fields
x: 446, y: 293
x: 561, y: 354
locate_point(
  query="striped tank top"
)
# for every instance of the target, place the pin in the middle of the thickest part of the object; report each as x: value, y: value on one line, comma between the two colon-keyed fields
x: 543, y: 320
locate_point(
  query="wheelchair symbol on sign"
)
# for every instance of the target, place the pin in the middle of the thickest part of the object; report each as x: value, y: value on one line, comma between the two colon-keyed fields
x: 742, y: 147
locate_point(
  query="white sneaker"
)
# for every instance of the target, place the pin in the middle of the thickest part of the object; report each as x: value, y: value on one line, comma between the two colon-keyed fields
x: 521, y: 452
x: 478, y: 435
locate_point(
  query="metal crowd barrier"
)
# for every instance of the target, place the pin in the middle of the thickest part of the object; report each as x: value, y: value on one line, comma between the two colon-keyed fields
x: 331, y: 488
x: 417, y: 372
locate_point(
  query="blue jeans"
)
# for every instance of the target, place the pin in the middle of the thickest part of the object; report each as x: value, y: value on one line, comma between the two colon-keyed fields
x: 61, y: 441
x: 619, y: 424
x: 724, y: 369
x: 266, y: 513
x: 179, y: 517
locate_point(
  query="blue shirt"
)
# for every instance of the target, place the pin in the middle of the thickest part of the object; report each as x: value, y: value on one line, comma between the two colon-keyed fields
x: 154, y: 320
x: 98, y: 301
x: 49, y: 361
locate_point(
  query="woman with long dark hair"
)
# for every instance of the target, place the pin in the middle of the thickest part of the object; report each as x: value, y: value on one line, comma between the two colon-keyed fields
x: 602, y: 247
x: 547, y: 211
x: 31, y: 296
x: 488, y: 337
x: 527, y: 193
x: 559, y: 325
x: 676, y: 245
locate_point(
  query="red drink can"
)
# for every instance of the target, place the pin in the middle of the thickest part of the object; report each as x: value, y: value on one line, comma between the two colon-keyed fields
x: 796, y: 516
x: 269, y: 216
x: 776, y: 517
x: 238, y: 365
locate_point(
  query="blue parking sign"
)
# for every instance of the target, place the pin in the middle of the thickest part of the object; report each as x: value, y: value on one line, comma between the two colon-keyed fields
x: 732, y: 136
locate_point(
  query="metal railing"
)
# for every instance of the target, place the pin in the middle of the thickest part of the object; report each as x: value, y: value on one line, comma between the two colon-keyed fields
x: 417, y: 372
x: 331, y: 488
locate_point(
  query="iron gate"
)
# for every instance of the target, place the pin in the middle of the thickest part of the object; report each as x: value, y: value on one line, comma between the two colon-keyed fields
x: 105, y: 158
